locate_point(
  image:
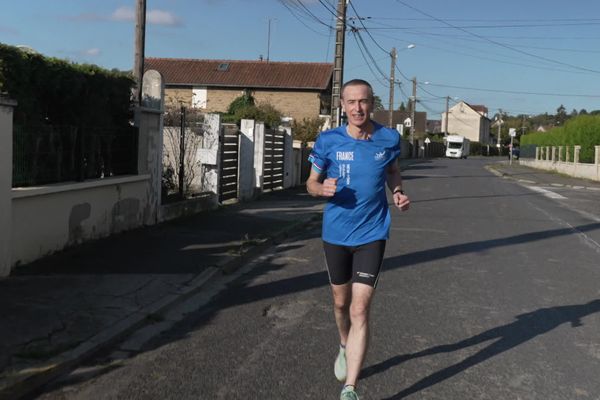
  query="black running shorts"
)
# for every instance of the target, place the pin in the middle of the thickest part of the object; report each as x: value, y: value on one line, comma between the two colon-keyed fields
x: 360, y: 264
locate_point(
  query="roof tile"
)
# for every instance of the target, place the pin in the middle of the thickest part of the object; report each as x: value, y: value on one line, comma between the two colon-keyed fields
x: 249, y: 74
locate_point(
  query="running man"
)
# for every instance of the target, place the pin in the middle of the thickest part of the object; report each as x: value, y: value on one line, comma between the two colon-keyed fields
x: 351, y: 165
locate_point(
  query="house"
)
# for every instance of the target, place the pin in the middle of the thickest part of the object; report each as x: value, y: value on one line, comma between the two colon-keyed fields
x: 398, y: 117
x: 470, y: 121
x: 297, y: 89
x: 434, y: 126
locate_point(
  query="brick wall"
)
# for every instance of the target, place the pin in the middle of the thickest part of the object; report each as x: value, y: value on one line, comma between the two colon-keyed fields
x: 297, y: 105
x: 174, y: 97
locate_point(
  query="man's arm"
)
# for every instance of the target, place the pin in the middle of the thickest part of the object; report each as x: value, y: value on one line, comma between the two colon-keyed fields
x: 316, y: 188
x: 394, y: 183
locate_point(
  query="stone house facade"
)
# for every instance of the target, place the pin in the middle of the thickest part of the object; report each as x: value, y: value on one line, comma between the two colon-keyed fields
x: 298, y: 89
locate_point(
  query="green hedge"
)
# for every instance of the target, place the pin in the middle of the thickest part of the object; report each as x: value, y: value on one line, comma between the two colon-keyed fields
x: 583, y: 130
x: 50, y: 91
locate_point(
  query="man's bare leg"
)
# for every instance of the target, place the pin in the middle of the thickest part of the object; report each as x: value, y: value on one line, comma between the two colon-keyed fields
x: 358, y: 336
x: 342, y: 295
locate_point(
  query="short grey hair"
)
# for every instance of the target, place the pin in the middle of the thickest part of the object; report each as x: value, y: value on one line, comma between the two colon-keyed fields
x: 358, y: 82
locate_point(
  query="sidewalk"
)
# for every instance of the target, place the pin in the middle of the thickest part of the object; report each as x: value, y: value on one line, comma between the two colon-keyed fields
x: 540, y: 177
x: 60, y: 310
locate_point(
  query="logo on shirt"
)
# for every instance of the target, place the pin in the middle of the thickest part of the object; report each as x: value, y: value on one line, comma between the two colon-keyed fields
x: 344, y: 155
x: 380, y: 156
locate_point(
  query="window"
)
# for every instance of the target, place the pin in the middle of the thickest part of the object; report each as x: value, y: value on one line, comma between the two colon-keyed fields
x: 223, y: 67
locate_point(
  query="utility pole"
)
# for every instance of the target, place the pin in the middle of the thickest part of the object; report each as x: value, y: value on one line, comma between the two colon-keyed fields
x: 269, y: 40
x: 446, y: 119
x: 338, y: 65
x: 412, y: 114
x: 499, y: 130
x: 140, y: 44
x: 392, y: 79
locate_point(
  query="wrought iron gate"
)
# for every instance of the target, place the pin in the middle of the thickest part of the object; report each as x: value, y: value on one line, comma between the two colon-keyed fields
x: 273, y: 160
x: 230, y: 145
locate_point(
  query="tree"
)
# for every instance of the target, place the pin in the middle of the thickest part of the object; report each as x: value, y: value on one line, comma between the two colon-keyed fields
x: 378, y: 105
x: 245, y: 107
x: 561, y: 116
x: 307, y: 130
x: 402, y: 107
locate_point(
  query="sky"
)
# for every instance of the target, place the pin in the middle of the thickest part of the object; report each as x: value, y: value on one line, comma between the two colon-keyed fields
x: 524, y: 57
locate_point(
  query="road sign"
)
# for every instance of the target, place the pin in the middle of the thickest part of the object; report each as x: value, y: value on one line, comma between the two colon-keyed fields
x: 407, y: 122
x: 512, y: 132
x: 427, y: 140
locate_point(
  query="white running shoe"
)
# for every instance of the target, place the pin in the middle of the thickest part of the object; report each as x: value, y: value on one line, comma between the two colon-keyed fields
x: 339, y: 368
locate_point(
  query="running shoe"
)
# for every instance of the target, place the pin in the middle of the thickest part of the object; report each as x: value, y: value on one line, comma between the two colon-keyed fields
x: 339, y: 368
x: 348, y: 393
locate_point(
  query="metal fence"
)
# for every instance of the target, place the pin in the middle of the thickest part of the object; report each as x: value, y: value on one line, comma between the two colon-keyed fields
x: 229, y: 172
x: 273, y: 159
x: 527, y: 151
x: 54, y: 154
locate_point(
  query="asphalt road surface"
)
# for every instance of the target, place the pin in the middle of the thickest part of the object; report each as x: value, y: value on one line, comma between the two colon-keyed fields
x: 490, y: 290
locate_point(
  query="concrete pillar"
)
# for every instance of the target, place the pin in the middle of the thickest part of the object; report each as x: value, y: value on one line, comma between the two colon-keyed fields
x: 537, y: 153
x: 560, y: 153
x: 211, y: 157
x: 547, y: 153
x: 553, y: 154
x: 6, y: 157
x: 288, y: 159
x: 597, y: 155
x: 568, y: 154
x: 150, y: 139
x: 259, y: 155
x: 246, y: 161
x: 576, y: 154
x: 149, y: 120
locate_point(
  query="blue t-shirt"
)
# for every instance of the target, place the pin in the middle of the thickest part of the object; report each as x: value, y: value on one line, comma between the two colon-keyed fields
x: 358, y: 212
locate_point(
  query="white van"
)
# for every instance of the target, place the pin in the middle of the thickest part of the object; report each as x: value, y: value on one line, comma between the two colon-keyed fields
x: 457, y: 146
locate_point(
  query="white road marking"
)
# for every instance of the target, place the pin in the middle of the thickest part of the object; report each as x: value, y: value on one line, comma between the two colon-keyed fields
x: 588, y: 241
x: 546, y: 192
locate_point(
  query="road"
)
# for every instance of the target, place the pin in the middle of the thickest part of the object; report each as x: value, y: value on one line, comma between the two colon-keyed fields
x: 490, y: 290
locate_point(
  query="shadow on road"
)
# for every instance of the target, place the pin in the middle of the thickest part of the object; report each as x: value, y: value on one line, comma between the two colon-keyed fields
x: 526, y: 327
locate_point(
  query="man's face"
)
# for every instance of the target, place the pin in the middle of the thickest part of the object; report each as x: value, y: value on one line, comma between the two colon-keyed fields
x: 357, y: 104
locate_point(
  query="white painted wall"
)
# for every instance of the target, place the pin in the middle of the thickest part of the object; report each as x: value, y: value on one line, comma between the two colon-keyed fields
x: 259, y: 155
x: 50, y: 218
x: 575, y: 169
x: 199, y: 97
x: 288, y: 164
x: 464, y: 121
x: 42, y: 220
x: 6, y: 138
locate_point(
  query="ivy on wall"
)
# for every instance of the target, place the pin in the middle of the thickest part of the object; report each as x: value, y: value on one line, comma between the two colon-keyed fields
x: 51, y: 91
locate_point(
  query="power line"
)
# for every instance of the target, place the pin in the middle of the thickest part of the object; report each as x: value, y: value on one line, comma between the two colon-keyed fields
x: 360, y: 44
x: 479, y: 57
x: 284, y: 3
x: 366, y: 30
x: 498, y: 43
x: 308, y: 12
x: 591, y: 96
x: 366, y: 49
x: 330, y: 8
